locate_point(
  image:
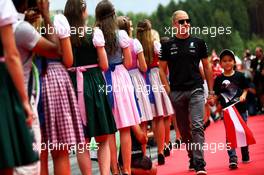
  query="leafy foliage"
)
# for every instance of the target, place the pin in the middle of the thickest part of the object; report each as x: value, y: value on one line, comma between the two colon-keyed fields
x: 245, y: 19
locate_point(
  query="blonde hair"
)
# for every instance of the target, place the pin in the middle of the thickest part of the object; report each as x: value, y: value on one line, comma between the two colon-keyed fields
x: 144, y: 35
x: 155, y: 35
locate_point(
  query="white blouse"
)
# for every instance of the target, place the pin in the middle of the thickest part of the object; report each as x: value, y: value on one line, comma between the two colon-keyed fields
x: 98, y: 38
x: 137, y: 46
x: 8, y: 13
x: 123, y: 39
x: 62, y: 26
x: 157, y: 47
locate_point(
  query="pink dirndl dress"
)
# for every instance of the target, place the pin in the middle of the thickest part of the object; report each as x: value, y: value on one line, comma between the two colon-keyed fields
x: 122, y: 96
x: 139, y: 83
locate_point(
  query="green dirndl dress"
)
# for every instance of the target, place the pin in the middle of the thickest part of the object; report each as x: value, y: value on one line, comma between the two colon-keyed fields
x: 100, y: 119
x: 16, y: 148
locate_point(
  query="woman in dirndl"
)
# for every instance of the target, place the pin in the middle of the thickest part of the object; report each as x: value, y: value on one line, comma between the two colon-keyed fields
x: 62, y: 127
x: 122, y: 97
x: 16, y: 147
x: 138, y: 67
x: 160, y: 101
x: 90, y: 60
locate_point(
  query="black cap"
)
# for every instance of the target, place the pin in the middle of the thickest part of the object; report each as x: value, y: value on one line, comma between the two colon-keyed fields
x: 227, y: 52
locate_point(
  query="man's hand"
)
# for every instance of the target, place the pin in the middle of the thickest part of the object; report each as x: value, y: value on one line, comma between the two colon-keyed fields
x: 163, y: 65
x: 211, y: 100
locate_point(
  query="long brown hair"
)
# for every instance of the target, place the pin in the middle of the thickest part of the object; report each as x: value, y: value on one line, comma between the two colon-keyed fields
x: 145, y: 37
x: 106, y: 21
x: 74, y: 13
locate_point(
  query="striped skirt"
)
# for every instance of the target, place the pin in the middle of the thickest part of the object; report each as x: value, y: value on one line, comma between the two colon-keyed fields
x: 62, y: 116
x: 162, y: 105
x: 142, y: 95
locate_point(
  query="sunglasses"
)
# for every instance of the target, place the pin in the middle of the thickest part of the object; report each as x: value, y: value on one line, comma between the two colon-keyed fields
x: 181, y: 21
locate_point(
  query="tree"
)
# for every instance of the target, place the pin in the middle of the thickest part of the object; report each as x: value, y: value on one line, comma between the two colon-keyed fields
x: 237, y: 44
x: 245, y: 19
x: 215, y: 39
x: 255, y: 42
x: 256, y: 16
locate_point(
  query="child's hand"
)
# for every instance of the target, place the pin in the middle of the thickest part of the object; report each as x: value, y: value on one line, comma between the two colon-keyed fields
x: 242, y: 98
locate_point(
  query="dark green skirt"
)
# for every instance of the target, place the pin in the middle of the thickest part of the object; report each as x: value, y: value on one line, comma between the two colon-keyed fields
x: 100, y: 119
x: 15, y: 139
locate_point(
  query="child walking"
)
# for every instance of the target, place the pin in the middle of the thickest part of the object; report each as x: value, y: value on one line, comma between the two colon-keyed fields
x: 231, y: 87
